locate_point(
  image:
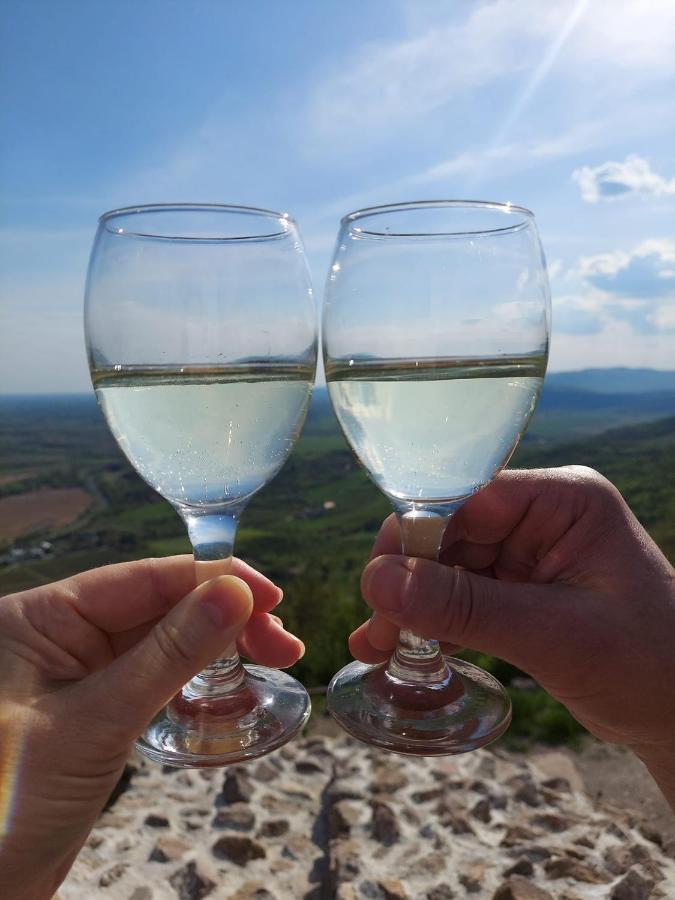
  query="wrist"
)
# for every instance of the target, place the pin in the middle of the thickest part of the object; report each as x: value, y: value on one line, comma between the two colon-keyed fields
x: 36, y: 857
x: 26, y: 881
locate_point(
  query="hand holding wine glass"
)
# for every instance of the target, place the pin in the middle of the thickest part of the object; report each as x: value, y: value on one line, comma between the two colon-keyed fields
x: 559, y: 578
x: 436, y: 332
x: 84, y: 665
x: 201, y: 336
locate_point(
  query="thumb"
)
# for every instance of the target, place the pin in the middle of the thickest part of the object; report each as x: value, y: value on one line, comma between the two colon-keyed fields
x: 520, y: 623
x: 194, y: 633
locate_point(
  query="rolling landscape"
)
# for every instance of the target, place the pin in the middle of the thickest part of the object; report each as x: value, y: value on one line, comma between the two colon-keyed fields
x: 69, y: 501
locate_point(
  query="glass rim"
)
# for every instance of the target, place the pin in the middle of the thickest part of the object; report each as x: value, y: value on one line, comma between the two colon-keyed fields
x: 150, y: 208
x: 498, y: 206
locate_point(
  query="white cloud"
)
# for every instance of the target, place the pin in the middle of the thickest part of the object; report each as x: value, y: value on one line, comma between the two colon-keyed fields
x: 645, y: 270
x: 663, y: 318
x: 634, y: 36
x: 515, y: 156
x: 578, y: 314
x: 555, y: 268
x: 613, y: 345
x: 634, y: 287
x: 511, y: 158
x: 618, y: 308
x: 615, y: 179
x: 391, y: 84
x: 452, y: 53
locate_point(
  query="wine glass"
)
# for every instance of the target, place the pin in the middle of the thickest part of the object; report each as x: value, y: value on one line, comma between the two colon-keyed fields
x: 201, y: 336
x: 436, y: 330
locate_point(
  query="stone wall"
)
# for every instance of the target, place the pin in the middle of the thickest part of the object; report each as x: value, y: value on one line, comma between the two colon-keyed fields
x: 330, y: 818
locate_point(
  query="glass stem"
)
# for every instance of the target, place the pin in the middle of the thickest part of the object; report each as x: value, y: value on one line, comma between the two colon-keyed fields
x: 212, y: 537
x: 418, y: 660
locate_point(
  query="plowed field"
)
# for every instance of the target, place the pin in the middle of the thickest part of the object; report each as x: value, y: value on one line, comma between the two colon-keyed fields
x: 47, y: 508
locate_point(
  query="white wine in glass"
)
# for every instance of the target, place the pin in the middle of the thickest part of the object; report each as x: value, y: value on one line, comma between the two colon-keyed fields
x: 195, y: 433
x: 436, y: 331
x: 201, y: 337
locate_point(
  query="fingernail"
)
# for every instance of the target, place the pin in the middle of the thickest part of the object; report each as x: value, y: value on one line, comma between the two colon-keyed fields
x: 383, y: 581
x: 227, y: 601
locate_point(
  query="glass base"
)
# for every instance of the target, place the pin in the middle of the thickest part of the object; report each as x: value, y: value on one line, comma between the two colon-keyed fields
x: 264, y: 714
x: 467, y: 710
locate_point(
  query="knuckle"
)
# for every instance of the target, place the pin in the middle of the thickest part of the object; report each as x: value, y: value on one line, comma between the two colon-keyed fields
x: 457, y: 608
x: 584, y: 488
x: 168, y: 643
x: 410, y: 593
x: 595, y: 486
x: 585, y: 474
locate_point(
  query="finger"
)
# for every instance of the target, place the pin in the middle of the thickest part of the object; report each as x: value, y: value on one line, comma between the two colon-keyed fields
x: 450, y: 649
x: 124, y: 596
x: 382, y: 633
x: 129, y: 691
x: 266, y: 594
x: 470, y: 556
x: 388, y: 539
x: 265, y: 641
x: 517, y: 622
x: 361, y: 648
x: 536, y: 515
x: 490, y: 515
x: 124, y: 640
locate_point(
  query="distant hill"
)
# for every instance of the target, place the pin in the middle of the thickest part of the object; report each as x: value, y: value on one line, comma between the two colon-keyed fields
x: 618, y: 380
x: 576, y: 404
x: 560, y: 397
x: 649, y: 438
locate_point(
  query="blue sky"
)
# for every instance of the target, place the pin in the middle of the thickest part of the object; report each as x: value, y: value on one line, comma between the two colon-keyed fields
x: 321, y: 108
